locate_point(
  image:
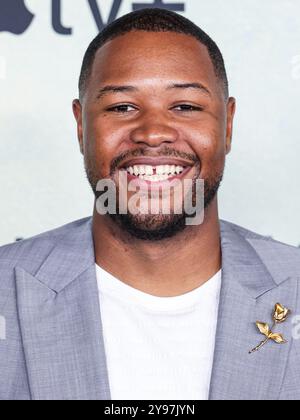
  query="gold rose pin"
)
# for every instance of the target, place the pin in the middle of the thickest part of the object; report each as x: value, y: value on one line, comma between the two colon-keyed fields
x: 280, y: 315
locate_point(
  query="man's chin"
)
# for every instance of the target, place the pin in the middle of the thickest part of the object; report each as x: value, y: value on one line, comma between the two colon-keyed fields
x: 150, y: 227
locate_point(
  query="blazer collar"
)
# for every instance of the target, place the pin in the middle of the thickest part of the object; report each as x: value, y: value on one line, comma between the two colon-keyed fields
x: 68, y: 259
x: 240, y: 256
x: 75, y: 253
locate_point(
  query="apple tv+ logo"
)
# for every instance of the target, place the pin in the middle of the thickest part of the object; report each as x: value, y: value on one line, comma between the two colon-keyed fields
x: 16, y: 18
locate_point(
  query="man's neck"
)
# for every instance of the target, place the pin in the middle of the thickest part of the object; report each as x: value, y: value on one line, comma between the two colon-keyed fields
x: 170, y: 267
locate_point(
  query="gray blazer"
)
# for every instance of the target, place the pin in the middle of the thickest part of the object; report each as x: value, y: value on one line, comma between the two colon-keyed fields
x: 51, y: 341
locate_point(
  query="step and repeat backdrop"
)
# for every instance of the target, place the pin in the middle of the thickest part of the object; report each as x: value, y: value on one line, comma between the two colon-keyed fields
x: 42, y: 179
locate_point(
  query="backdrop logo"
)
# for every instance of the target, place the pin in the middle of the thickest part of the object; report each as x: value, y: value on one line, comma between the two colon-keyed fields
x: 16, y: 18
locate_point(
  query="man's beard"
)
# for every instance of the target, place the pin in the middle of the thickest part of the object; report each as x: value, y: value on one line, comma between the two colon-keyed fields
x: 156, y: 227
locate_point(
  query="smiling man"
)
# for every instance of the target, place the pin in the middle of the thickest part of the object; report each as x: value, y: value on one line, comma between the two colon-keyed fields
x: 143, y: 305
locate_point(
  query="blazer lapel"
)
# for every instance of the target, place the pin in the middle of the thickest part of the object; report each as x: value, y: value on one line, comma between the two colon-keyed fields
x: 249, y: 294
x: 61, y: 324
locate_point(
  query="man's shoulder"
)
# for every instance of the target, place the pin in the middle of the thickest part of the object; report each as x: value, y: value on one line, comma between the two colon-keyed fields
x: 273, y: 247
x: 33, y: 251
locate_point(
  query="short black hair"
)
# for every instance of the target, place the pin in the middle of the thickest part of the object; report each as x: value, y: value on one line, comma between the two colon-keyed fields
x: 152, y: 20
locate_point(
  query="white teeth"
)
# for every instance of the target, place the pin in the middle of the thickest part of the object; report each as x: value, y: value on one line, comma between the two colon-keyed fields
x: 173, y: 169
x: 155, y: 173
x: 149, y: 170
x: 167, y: 169
x: 160, y: 170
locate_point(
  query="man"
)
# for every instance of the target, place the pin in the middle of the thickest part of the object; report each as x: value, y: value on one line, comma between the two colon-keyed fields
x: 137, y: 305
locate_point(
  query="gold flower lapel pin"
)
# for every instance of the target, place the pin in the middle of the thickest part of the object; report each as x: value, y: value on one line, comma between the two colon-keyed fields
x: 280, y: 315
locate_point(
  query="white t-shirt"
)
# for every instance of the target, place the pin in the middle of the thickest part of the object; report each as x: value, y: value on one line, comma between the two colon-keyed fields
x: 158, y: 348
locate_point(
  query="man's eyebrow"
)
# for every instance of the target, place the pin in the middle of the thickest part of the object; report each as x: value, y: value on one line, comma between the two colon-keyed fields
x: 114, y: 89
x: 127, y: 88
x: 197, y: 86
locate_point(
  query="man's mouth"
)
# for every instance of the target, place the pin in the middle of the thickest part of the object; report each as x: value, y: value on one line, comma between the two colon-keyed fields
x: 153, y: 172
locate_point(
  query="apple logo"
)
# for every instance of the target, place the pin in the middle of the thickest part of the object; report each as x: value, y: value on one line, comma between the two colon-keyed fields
x: 14, y: 16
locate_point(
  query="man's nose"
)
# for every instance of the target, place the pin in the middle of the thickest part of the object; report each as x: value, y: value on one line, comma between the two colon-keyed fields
x: 154, y: 130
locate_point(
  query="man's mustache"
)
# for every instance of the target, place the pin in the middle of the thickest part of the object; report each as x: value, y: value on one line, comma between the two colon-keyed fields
x: 165, y: 152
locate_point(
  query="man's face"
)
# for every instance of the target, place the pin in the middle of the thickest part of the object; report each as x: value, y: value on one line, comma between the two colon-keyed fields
x: 154, y: 108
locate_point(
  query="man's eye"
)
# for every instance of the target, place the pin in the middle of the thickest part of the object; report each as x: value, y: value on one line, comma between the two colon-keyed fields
x: 188, y: 108
x: 122, y: 109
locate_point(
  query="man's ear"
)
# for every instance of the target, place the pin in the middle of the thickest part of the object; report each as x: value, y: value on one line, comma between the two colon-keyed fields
x: 77, y: 111
x: 231, y: 107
